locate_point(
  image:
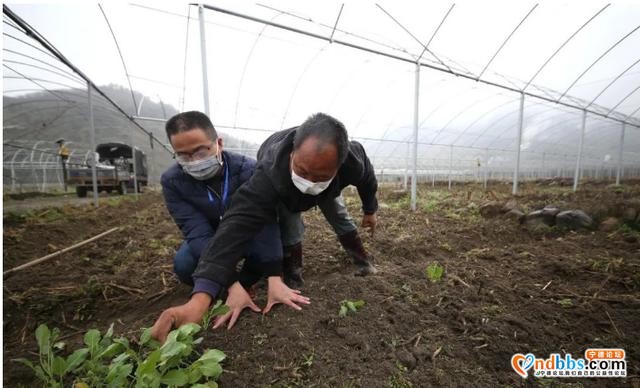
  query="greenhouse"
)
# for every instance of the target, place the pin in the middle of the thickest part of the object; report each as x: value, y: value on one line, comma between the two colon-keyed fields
x: 475, y: 165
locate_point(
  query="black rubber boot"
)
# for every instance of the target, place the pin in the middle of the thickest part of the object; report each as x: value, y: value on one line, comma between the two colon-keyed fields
x: 292, y: 266
x: 352, y: 243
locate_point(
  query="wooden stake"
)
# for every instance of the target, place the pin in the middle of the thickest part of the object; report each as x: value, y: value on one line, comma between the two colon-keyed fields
x: 58, y: 253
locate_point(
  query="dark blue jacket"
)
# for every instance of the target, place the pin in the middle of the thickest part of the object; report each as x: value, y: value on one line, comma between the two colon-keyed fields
x: 190, y: 205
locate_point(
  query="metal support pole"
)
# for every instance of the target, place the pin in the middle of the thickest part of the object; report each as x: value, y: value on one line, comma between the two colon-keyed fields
x: 486, y: 167
x: 44, y: 173
x: 152, y: 159
x: 406, y: 166
x: 92, y: 139
x: 620, y: 149
x: 516, y: 172
x: 414, y: 179
x: 135, y: 167
x: 450, y: 163
x: 576, y: 175
x: 203, y: 55
x: 13, y: 171
x: 544, y: 172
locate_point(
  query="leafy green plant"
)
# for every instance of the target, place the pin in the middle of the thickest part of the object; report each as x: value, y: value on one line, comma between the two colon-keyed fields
x: 349, y: 306
x: 434, y: 272
x: 217, y: 310
x: 112, y: 362
x: 51, y: 368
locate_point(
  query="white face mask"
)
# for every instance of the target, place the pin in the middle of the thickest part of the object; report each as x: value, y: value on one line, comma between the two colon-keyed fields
x: 307, y: 187
x: 203, y: 169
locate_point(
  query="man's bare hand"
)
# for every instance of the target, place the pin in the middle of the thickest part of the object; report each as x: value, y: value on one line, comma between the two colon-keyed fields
x: 238, y: 300
x: 280, y: 293
x: 370, y: 221
x: 190, y: 312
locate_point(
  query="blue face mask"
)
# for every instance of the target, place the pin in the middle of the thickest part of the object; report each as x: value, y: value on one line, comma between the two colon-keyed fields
x: 203, y: 169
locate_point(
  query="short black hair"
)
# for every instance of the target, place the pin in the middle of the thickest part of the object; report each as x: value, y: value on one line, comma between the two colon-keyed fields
x: 187, y: 121
x: 328, y: 130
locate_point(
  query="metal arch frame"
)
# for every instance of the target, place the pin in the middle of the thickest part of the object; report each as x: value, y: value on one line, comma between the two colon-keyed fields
x: 597, y: 60
x: 590, y: 155
x: 612, y: 82
x: 42, y: 153
x: 13, y: 170
x: 34, y: 80
x: 564, y: 44
x: 374, y: 98
x: 407, y: 140
x: 184, y: 66
x: 43, y: 62
x: 587, y: 131
x: 30, y: 45
x: 425, y: 48
x: 392, y: 56
x: 244, y: 69
x: 348, y: 80
x: 460, y: 113
x: 496, y: 121
x: 545, y: 111
x: 23, y: 113
x: 445, y: 102
x: 546, y: 130
x: 44, y: 172
x: 480, y: 117
x: 42, y: 91
x: 289, y: 13
x: 12, y: 24
x: 59, y: 56
x: 557, y: 111
x: 300, y: 78
x: 393, y: 118
x: 384, y: 134
x: 41, y: 68
x: 506, y: 40
x: 336, y: 23
x: 124, y: 65
x: 446, y: 15
x: 499, y: 137
x: 621, y: 101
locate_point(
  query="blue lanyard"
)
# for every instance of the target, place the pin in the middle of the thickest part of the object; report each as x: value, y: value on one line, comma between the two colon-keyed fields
x: 225, y: 190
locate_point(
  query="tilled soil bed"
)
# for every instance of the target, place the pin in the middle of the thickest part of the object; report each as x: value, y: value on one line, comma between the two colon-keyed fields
x: 506, y: 289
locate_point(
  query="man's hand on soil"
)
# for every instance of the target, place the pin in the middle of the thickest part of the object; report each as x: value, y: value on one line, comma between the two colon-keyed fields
x: 238, y: 300
x: 190, y: 312
x: 280, y: 293
x: 369, y: 221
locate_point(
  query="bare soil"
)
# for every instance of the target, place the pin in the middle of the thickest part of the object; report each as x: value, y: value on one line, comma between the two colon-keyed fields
x: 505, y: 289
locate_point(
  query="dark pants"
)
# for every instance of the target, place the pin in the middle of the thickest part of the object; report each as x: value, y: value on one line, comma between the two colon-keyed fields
x: 265, y: 247
x: 333, y: 209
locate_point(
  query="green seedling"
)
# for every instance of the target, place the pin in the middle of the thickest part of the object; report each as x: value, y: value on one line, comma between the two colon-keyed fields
x: 349, y: 306
x: 399, y: 378
x: 308, y: 360
x: 113, y: 362
x: 434, y: 272
x: 218, y: 309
